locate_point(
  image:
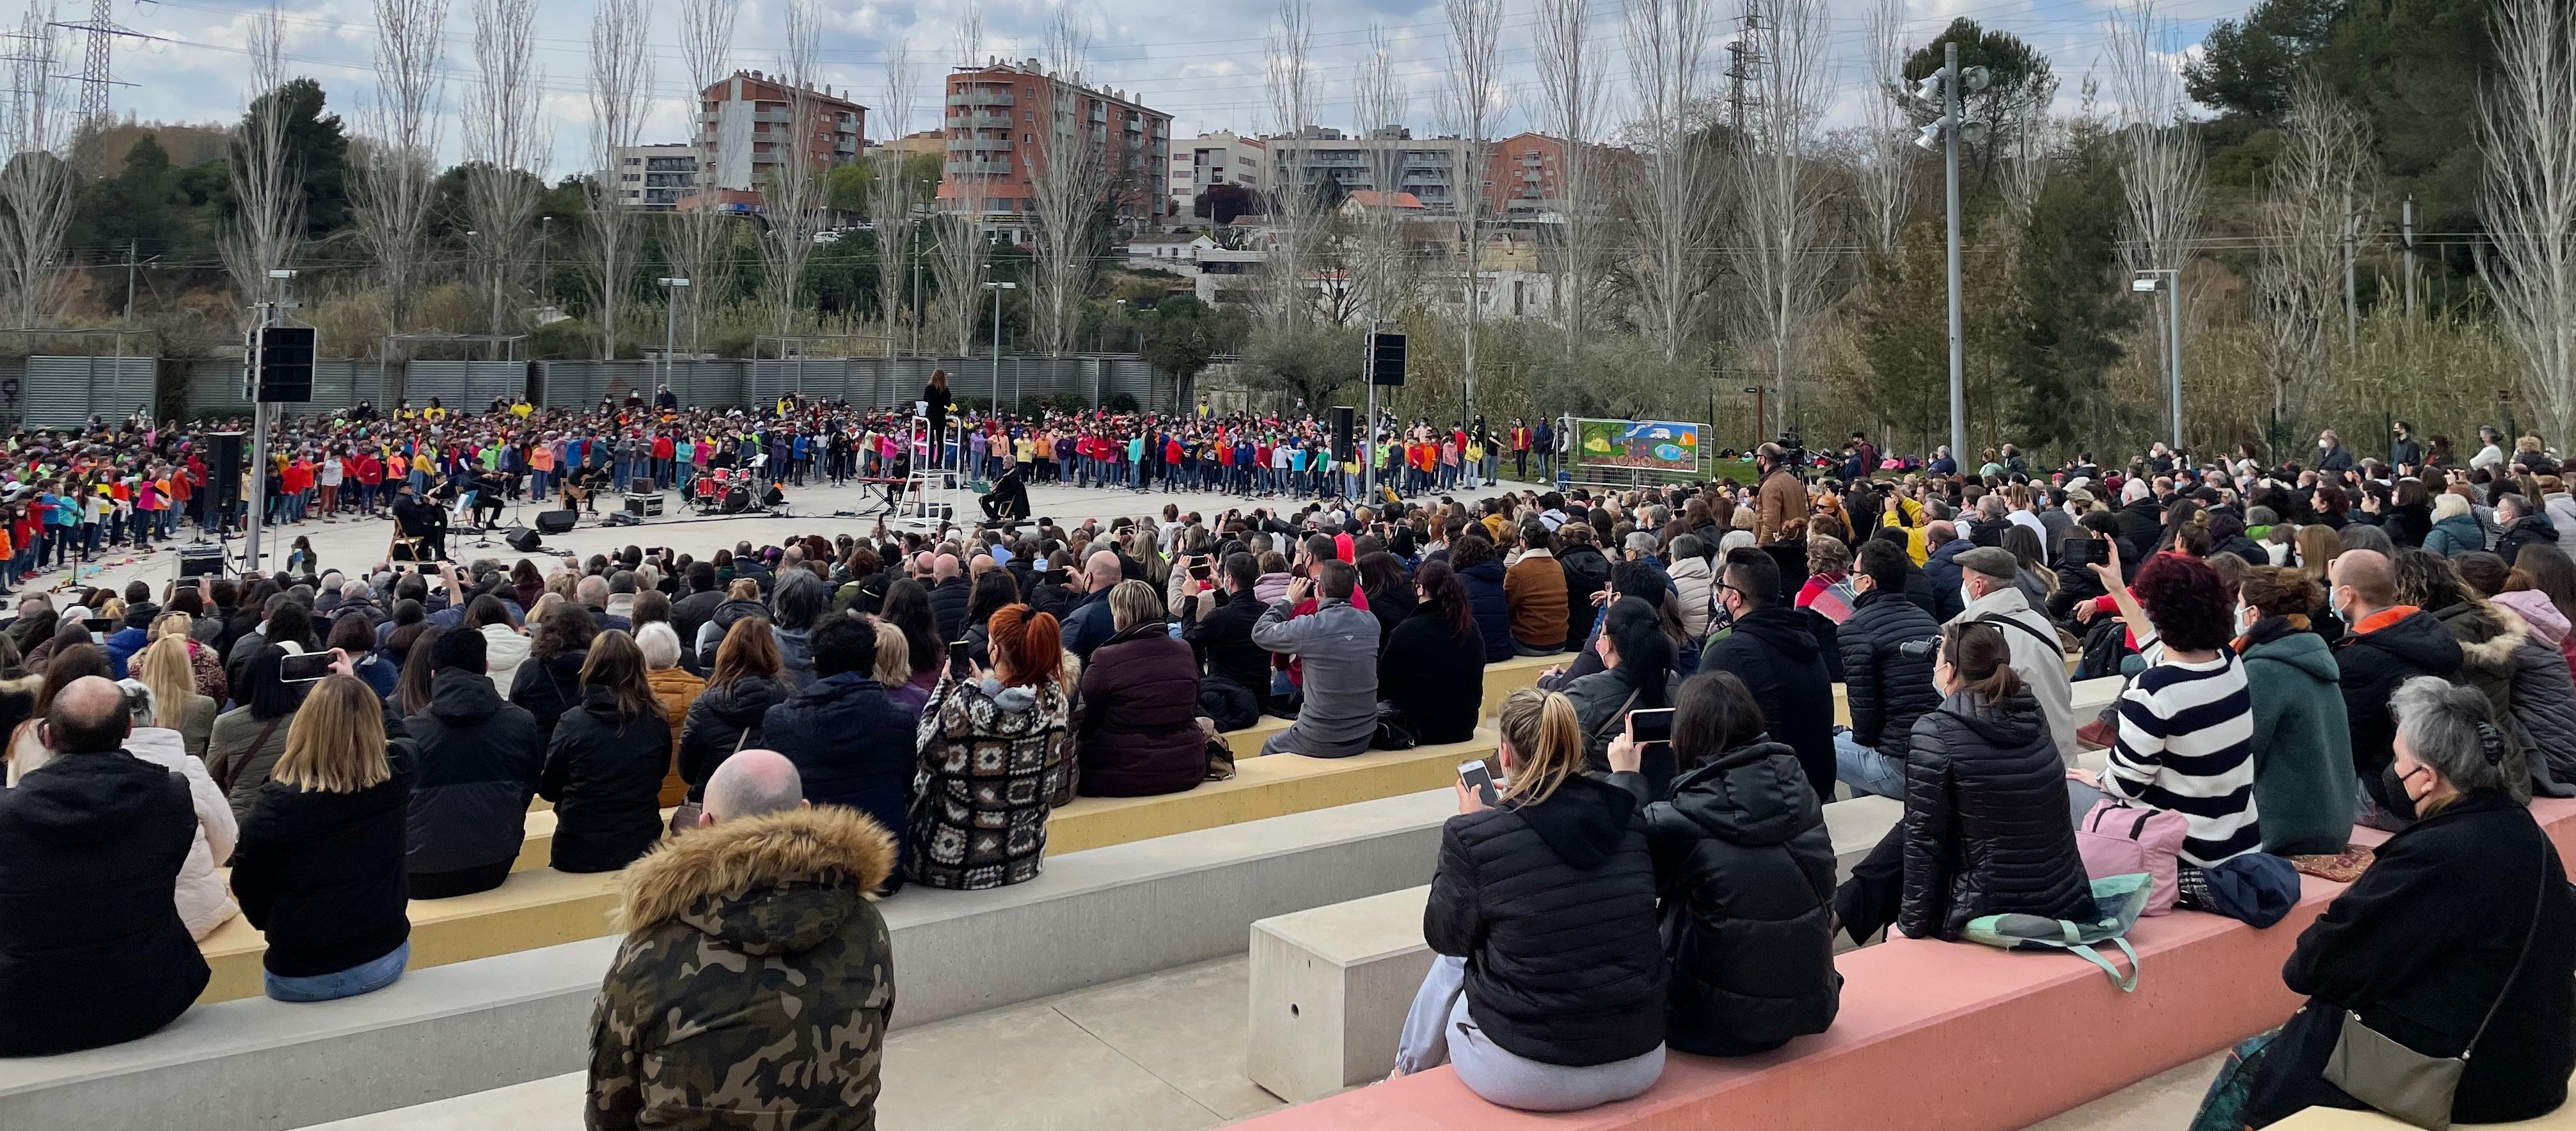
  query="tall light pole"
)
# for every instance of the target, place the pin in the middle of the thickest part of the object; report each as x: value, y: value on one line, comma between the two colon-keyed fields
x: 997, y: 289
x: 671, y: 289
x: 1948, y: 132
x: 2168, y: 280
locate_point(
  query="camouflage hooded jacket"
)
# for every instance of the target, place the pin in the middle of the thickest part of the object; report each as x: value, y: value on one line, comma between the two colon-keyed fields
x: 755, y: 981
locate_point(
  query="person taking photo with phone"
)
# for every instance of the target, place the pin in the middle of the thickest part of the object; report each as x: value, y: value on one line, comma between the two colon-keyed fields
x: 1546, y: 991
x: 1744, y: 876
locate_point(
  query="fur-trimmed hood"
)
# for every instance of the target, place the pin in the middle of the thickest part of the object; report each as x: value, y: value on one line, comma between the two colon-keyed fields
x: 780, y: 883
x: 2489, y: 634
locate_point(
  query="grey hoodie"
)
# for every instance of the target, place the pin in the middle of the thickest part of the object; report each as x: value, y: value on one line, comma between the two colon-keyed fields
x: 1336, y: 646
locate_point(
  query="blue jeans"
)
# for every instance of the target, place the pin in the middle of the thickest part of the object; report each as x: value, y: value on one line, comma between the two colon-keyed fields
x: 364, y: 978
x: 1866, y: 770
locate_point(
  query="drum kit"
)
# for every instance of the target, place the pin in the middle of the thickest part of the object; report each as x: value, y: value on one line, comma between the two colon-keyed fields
x: 726, y: 492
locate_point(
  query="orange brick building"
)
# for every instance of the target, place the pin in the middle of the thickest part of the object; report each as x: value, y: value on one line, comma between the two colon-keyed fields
x: 746, y: 126
x: 998, y: 118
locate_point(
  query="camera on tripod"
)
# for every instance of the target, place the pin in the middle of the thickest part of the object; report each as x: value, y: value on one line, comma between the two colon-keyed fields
x: 1797, y: 452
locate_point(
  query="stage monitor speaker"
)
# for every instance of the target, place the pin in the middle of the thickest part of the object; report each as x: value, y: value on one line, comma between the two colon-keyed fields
x: 1386, y: 359
x: 1342, y: 425
x: 225, y: 452
x: 557, y: 522
x: 523, y: 539
x: 201, y: 561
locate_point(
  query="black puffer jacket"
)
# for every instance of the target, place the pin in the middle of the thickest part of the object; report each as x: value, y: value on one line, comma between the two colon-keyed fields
x: 1987, y: 830
x: 1777, y: 657
x: 1886, y: 688
x: 1484, y: 585
x: 1553, y: 907
x: 604, y: 775
x: 948, y: 601
x: 1586, y: 572
x: 715, y: 728
x: 479, y: 761
x: 321, y: 874
x: 2373, y: 664
x: 1744, y: 872
x: 548, y: 688
x: 851, y: 745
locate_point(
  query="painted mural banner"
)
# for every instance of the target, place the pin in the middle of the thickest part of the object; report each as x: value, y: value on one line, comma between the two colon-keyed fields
x: 1640, y: 445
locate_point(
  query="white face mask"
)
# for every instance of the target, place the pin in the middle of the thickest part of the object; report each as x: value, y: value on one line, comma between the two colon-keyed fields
x: 1967, y: 596
x: 2245, y: 618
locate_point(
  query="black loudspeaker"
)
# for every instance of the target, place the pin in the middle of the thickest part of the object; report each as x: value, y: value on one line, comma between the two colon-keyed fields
x: 557, y: 522
x: 642, y: 485
x: 1342, y: 425
x: 201, y: 561
x: 224, y: 454
x: 523, y: 539
x: 1386, y: 359
x: 641, y: 507
x: 286, y: 364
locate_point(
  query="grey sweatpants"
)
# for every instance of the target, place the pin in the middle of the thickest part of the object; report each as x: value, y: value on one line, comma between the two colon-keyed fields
x: 1438, y: 1029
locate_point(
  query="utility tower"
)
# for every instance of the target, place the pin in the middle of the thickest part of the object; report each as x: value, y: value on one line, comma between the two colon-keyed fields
x: 1743, y: 67
x: 97, y: 70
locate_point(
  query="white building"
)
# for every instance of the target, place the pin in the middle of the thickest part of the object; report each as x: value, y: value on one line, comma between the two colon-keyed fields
x: 655, y: 177
x: 1432, y: 168
x: 1178, y: 254
x: 1212, y: 159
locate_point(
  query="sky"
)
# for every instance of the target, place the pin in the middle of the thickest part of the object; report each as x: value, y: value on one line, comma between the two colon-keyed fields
x: 1201, y: 63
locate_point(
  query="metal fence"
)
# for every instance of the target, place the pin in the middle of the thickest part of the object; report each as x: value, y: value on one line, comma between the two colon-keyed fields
x: 64, y: 392
x: 214, y: 386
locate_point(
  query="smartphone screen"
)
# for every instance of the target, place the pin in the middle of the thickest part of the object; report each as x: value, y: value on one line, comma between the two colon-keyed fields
x: 2081, y: 552
x: 1481, y: 780
x: 97, y: 625
x: 304, y: 667
x: 957, y: 656
x: 1200, y: 570
x: 1652, y: 724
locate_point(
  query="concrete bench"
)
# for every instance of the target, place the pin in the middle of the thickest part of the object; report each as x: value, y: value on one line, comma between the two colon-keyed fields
x: 2338, y: 1119
x: 1092, y: 917
x: 538, y: 906
x: 1939, y: 1036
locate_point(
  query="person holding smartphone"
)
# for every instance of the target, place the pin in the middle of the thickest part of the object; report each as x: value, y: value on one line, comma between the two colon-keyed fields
x: 1744, y: 873
x: 1547, y: 988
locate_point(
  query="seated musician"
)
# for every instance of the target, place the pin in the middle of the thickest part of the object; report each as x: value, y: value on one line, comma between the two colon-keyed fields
x: 420, y: 519
x: 580, y: 486
x: 1009, y: 498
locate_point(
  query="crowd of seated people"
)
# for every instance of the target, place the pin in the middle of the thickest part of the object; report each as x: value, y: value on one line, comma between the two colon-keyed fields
x: 915, y: 708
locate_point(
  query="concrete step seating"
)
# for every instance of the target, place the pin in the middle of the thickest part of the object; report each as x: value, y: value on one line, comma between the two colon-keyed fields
x: 2338, y: 1119
x: 469, y: 1026
x: 1932, y: 1036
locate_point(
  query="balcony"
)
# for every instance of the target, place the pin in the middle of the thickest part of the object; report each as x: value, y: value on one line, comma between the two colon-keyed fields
x: 979, y: 121
x: 981, y: 98
x: 979, y: 168
x: 965, y: 144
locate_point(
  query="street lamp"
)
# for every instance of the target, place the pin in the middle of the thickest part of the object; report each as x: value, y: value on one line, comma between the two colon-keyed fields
x: 1122, y: 316
x: 671, y: 323
x: 997, y: 289
x: 2168, y: 280
x: 1949, y: 86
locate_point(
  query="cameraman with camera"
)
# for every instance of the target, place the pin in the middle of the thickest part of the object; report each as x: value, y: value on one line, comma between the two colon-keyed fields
x: 1887, y: 649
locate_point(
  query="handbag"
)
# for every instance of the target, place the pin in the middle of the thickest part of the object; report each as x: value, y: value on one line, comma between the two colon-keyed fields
x: 2117, y: 840
x: 1394, y: 731
x: 2407, y: 1085
x: 2117, y: 902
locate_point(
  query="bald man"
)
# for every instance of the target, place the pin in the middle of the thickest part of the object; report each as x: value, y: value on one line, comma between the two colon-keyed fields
x: 752, y: 783
x: 1090, y: 625
x: 949, y: 595
x: 2384, y: 644
x: 91, y: 844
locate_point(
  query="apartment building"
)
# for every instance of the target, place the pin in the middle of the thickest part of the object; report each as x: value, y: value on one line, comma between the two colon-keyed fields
x: 655, y: 177
x: 1432, y: 169
x: 1212, y: 159
x: 747, y: 126
x: 999, y: 117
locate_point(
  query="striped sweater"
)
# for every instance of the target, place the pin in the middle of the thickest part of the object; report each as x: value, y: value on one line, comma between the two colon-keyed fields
x: 2185, y: 744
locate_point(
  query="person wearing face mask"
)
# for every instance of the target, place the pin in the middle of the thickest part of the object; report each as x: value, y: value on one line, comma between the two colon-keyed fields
x: 2459, y: 940
x: 1941, y: 565
x: 1989, y: 579
x: 2387, y: 644
x: 2303, y: 778
x: 1775, y: 653
x: 1887, y: 673
x: 2331, y: 456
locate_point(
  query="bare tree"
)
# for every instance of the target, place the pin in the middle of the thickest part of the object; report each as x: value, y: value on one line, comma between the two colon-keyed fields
x: 703, y: 243
x: 397, y: 179
x: 38, y: 185
x: 959, y: 246
x: 1295, y: 220
x: 1476, y: 100
x: 619, y: 82
x: 1068, y: 176
x: 1672, y: 198
x: 1570, y: 78
x: 1783, y: 266
x: 507, y: 143
x: 2323, y: 166
x: 268, y: 194
x: 2160, y: 164
x: 1376, y: 260
x: 2527, y: 128
x: 795, y: 189
x: 1887, y: 153
x: 891, y: 203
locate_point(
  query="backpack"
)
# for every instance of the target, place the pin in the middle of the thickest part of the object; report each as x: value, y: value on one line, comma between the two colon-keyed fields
x: 2118, y: 839
x: 2117, y: 901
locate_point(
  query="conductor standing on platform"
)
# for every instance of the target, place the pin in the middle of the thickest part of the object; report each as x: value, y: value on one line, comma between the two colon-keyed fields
x: 934, y: 404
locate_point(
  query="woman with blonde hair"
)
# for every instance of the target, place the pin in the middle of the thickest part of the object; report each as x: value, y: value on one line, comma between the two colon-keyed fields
x: 1136, y: 720
x: 207, y: 667
x: 319, y: 866
x: 992, y: 756
x: 164, y: 668
x: 1547, y: 989
x: 605, y: 764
